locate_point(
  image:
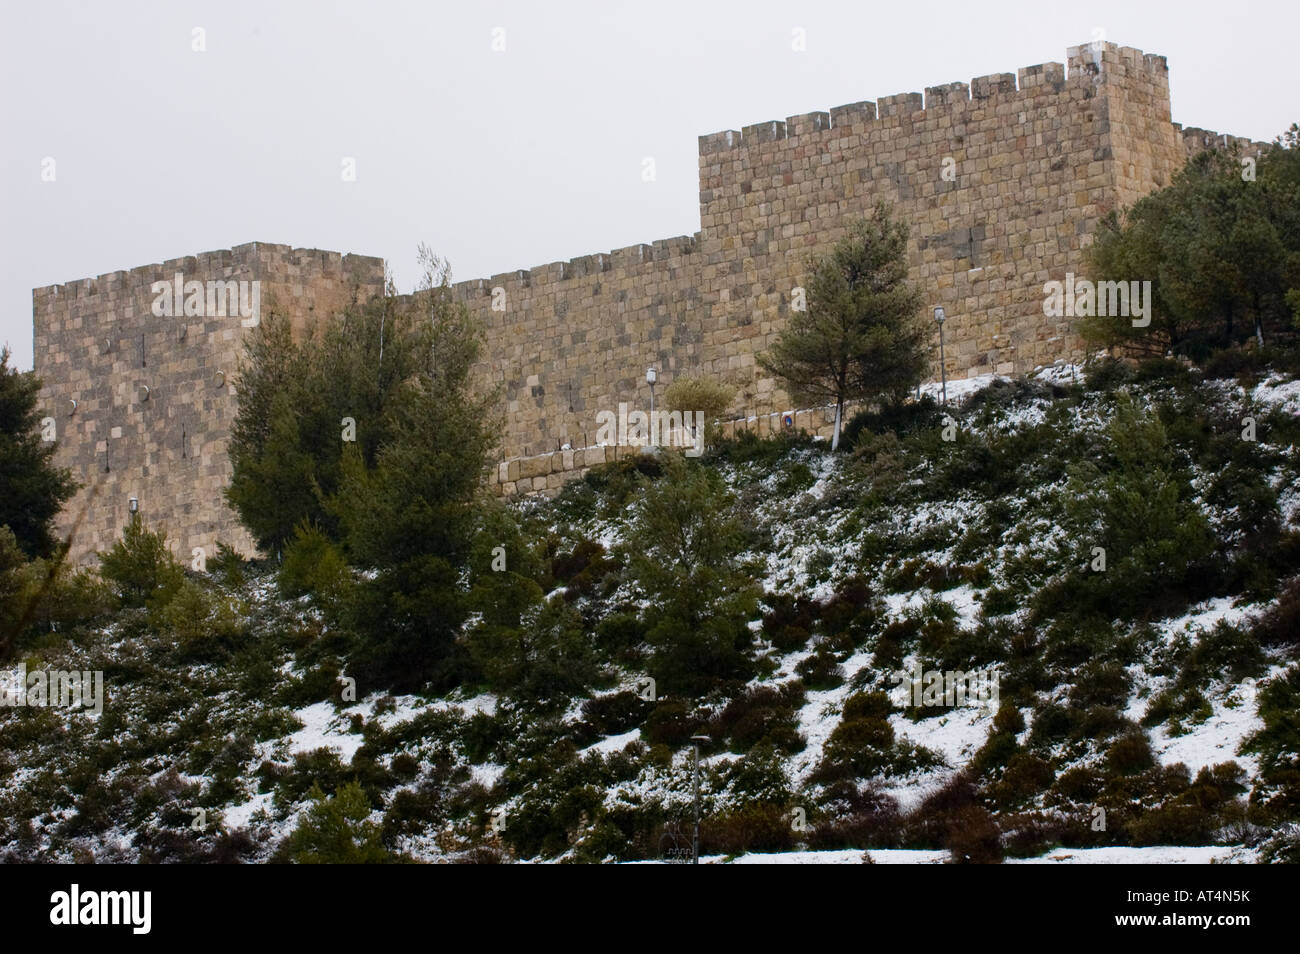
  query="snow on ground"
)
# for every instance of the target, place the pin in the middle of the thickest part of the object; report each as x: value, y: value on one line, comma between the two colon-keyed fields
x: 1161, y: 855
x: 612, y: 743
x: 1204, y: 616
x: 487, y: 774
x: 1158, y: 855
x: 849, y: 857
x: 959, y: 388
x: 817, y: 718
x: 241, y: 816
x: 1282, y: 395
x: 1234, y: 715
x: 966, y: 602
x: 956, y: 735
x: 324, y: 728
x: 1217, y: 739
x: 964, y: 599
x: 405, y: 708
x: 1060, y: 373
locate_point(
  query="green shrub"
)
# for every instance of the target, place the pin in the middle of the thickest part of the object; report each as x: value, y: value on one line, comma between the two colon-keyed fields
x: 587, y: 556
x: 1130, y: 754
x: 863, y: 744
x: 1107, y: 375
x: 1172, y: 824
x: 1277, y: 743
x: 34, y: 489
x: 544, y: 662
x: 974, y: 837
x: 953, y: 818
x: 1026, y: 776
x: 47, y: 597
x: 312, y: 564
x: 761, y: 716
x: 671, y: 722
x: 1081, y: 783
x: 795, y: 478
x: 752, y: 827
x: 202, y: 621
x: 140, y: 566
x: 1164, y: 370
x: 619, y: 634
x: 1282, y: 847
x: 765, y: 453
x: 616, y: 713
x: 1100, y: 683
x: 788, y: 620
x: 867, y: 705
x: 820, y: 671
x: 1139, y: 506
x: 1280, y: 624
x: 994, y: 753
x: 852, y: 817
x: 617, y: 480
x: 1235, y: 362
x: 479, y: 736
x: 760, y: 776
x: 700, y: 594
x: 228, y: 565
x: 337, y: 830
x: 902, y: 419
x: 413, y: 812
x: 701, y: 395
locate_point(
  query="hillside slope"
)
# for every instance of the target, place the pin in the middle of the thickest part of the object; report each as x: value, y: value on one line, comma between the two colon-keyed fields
x: 1135, y: 704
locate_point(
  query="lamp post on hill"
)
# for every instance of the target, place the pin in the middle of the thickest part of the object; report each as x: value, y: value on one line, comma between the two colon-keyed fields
x: 695, y: 842
x: 943, y: 369
x: 651, y: 375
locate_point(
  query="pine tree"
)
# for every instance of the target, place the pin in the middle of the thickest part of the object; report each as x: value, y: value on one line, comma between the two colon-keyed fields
x: 1139, y: 507
x: 1221, y: 248
x: 685, y: 554
x: 140, y: 565
x: 337, y: 831
x: 32, y: 490
x: 860, y: 337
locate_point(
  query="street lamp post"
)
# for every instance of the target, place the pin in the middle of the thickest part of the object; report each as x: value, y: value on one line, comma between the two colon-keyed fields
x: 695, y: 842
x: 943, y: 370
x: 651, y: 375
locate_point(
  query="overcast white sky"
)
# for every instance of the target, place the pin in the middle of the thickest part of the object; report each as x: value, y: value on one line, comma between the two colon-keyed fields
x: 499, y: 160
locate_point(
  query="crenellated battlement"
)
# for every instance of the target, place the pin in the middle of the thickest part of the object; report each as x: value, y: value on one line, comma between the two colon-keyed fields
x: 662, y: 250
x: 251, y: 255
x: 1087, y: 64
x: 1199, y: 140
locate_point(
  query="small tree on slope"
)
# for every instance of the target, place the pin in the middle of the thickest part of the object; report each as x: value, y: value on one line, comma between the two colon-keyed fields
x: 860, y: 337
